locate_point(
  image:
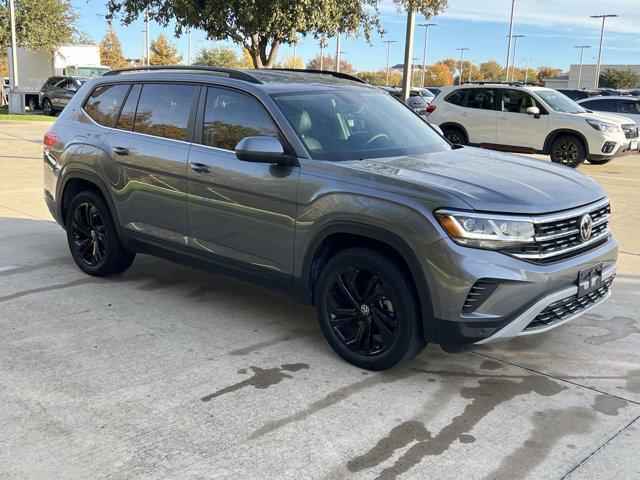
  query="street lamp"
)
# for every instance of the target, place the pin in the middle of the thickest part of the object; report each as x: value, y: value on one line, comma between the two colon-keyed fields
x: 388, y: 42
x: 526, y: 71
x: 603, y: 17
x: 338, y: 53
x: 426, y: 41
x: 581, y: 47
x: 462, y: 50
x: 513, y: 9
x: 515, y: 44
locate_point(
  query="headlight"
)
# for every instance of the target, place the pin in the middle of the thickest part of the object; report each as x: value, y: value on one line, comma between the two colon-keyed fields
x: 603, y: 126
x: 492, y: 232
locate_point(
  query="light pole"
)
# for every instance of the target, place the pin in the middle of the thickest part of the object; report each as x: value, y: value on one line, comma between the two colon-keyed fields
x: 513, y: 10
x: 581, y: 47
x: 515, y: 44
x: 15, y: 101
x: 295, y: 43
x: 470, y: 69
x: 146, y: 36
x: 322, y: 45
x: 388, y: 42
x: 413, y: 71
x: 526, y: 71
x: 426, y: 41
x: 408, y: 51
x: 190, y: 62
x: 462, y: 50
x: 338, y: 53
x: 603, y: 17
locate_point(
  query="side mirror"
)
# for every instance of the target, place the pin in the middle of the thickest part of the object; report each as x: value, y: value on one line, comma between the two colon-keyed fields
x: 262, y: 150
x: 535, y: 111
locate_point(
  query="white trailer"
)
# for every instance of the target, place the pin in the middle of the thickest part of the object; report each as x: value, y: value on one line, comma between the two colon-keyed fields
x: 35, y: 67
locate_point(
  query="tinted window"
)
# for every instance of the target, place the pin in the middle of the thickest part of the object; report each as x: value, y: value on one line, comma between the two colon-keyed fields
x: 516, y: 101
x: 125, y: 122
x: 230, y: 116
x: 457, y: 97
x: 631, y: 107
x: 482, y: 98
x: 599, y: 105
x: 163, y: 110
x: 52, y: 81
x: 104, y: 103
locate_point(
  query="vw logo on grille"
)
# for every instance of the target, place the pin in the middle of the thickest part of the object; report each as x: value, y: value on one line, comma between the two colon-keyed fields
x: 586, y: 225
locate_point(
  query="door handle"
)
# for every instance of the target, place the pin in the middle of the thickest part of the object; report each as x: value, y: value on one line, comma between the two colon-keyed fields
x: 121, y: 150
x: 200, y: 168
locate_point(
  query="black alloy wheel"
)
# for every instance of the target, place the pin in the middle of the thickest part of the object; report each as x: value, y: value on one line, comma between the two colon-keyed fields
x: 47, y: 107
x: 89, y: 234
x: 361, y: 311
x: 568, y: 150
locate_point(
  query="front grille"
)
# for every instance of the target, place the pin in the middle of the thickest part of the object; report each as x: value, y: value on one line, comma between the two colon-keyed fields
x: 630, y: 130
x: 558, y: 237
x: 480, y: 291
x: 560, y: 310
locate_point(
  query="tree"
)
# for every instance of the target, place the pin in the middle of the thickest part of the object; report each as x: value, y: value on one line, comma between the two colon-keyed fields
x: 111, y: 50
x: 611, y: 78
x: 220, y: 57
x: 289, y: 62
x: 329, y: 63
x: 163, y: 52
x: 492, y: 71
x: 262, y: 26
x: 438, y: 75
x: 380, y: 77
x: 34, y: 33
x: 548, y: 72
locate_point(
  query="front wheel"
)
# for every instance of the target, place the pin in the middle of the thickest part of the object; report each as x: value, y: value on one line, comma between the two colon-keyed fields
x: 568, y: 150
x: 47, y: 107
x: 32, y: 104
x: 600, y: 161
x: 455, y: 135
x: 368, y: 310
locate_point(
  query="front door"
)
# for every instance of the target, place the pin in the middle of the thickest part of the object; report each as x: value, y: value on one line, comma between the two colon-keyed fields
x: 243, y: 212
x: 516, y: 127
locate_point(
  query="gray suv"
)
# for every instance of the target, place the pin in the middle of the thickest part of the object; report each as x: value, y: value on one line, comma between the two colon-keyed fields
x: 320, y: 186
x: 56, y: 93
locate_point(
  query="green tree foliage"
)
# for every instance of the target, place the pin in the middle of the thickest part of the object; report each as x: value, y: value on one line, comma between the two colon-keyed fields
x: 221, y: 57
x: 111, y: 50
x: 261, y: 26
x: 163, y: 52
x: 380, y: 77
x: 329, y: 63
x: 548, y: 72
x: 492, y: 71
x: 40, y: 24
x: 611, y: 78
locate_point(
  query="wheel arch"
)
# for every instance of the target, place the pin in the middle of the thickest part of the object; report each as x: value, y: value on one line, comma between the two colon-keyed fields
x: 563, y: 131
x: 455, y: 125
x: 340, y: 235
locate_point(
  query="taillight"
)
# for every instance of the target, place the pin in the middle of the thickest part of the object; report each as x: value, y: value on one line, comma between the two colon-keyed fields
x: 49, y: 139
x: 430, y: 108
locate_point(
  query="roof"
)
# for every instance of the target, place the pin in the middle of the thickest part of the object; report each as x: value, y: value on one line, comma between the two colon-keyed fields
x: 608, y: 97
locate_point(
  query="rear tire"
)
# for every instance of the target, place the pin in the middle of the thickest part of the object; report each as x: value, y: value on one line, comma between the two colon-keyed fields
x: 368, y: 310
x: 455, y: 135
x: 93, y: 238
x: 568, y: 150
x: 32, y: 104
x: 47, y: 108
x: 600, y: 161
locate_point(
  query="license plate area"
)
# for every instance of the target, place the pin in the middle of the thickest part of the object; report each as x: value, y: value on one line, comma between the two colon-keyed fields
x: 589, y: 280
x: 633, y: 145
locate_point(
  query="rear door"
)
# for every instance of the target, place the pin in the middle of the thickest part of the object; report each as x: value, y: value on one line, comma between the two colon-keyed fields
x: 150, y: 147
x: 240, y: 211
x: 479, y: 115
x: 516, y: 128
x: 628, y: 107
x: 64, y: 93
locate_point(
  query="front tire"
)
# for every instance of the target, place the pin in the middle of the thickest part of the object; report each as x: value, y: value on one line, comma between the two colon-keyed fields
x: 568, y: 150
x: 32, y: 104
x: 47, y: 108
x: 368, y: 310
x: 93, y: 238
x: 455, y: 135
x: 600, y: 161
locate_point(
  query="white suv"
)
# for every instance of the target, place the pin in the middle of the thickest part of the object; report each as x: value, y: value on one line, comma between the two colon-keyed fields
x: 527, y: 119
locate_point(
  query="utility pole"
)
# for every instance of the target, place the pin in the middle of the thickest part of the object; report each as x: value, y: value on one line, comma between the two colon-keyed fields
x: 581, y: 47
x: 408, y: 50
x: 526, y: 71
x: 146, y: 37
x: 338, y: 53
x: 190, y: 62
x: 426, y: 42
x: 322, y: 45
x: 462, y: 50
x: 470, y: 69
x: 603, y: 17
x: 513, y: 10
x: 295, y: 43
x: 16, y: 105
x: 388, y: 42
x: 515, y: 44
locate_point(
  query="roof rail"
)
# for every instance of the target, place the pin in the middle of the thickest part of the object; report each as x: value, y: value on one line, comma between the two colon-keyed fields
x: 344, y: 76
x: 228, y: 72
x: 487, y: 82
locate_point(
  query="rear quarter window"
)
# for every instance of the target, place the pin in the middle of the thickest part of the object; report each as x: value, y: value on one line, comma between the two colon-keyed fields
x: 456, y: 98
x: 105, y: 102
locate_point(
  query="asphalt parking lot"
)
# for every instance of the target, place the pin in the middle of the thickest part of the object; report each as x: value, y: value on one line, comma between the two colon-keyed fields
x: 168, y: 372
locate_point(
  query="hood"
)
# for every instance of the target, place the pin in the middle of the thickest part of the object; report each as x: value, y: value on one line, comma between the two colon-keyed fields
x: 489, y: 181
x: 607, y: 117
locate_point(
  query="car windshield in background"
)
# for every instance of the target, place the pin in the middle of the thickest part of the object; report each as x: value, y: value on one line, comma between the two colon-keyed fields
x: 560, y: 102
x: 356, y: 125
x: 89, y: 71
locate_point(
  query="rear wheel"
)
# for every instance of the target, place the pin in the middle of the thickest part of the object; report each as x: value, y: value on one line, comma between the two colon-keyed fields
x: 47, y: 107
x: 600, y: 161
x: 568, y: 150
x: 455, y: 135
x: 32, y: 103
x: 92, y: 237
x: 368, y: 310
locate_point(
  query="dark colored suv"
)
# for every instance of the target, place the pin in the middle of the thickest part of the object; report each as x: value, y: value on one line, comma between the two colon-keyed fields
x: 56, y: 93
x: 330, y: 190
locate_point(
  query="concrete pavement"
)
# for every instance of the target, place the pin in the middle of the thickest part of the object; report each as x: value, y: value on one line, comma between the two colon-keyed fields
x: 168, y: 372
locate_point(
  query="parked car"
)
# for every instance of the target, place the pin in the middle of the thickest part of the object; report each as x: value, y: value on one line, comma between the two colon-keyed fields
x: 629, y: 107
x: 578, y: 94
x: 416, y: 101
x: 531, y: 119
x: 328, y: 189
x: 611, y: 92
x: 435, y: 90
x: 56, y: 93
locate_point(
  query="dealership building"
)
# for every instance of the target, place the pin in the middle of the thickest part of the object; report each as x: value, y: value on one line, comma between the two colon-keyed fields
x: 588, y: 78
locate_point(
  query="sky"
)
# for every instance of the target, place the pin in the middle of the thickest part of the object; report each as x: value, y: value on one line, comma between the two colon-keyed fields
x: 551, y: 27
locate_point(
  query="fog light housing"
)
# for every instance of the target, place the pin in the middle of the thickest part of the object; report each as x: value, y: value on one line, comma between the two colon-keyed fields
x: 608, y: 147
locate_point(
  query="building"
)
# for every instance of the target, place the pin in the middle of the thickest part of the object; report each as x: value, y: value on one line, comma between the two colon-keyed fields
x: 556, y: 82
x: 588, y: 79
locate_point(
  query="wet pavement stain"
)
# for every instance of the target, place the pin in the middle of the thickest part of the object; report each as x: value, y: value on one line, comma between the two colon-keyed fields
x: 58, y: 286
x: 201, y: 292
x: 490, y: 365
x: 295, y: 333
x: 633, y: 381
x: 549, y: 427
x: 485, y: 397
x: 54, y: 262
x: 617, y: 327
x: 608, y: 405
x: 160, y: 284
x: 262, y: 378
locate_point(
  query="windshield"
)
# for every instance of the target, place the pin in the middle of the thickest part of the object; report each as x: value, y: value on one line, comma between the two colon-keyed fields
x: 350, y: 125
x: 87, y: 71
x: 559, y: 102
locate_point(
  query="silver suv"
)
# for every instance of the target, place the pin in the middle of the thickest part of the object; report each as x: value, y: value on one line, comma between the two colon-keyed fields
x: 332, y: 191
